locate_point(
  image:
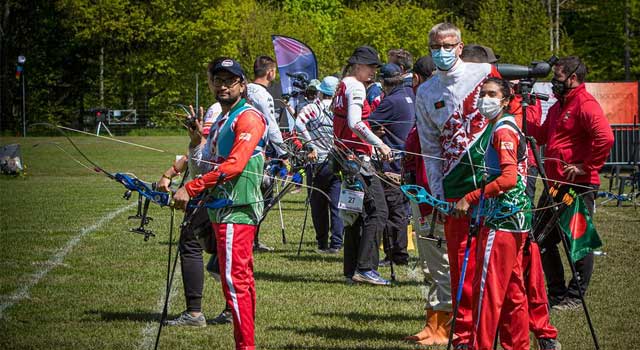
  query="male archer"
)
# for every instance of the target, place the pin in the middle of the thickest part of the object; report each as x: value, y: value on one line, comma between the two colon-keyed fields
x: 235, y: 143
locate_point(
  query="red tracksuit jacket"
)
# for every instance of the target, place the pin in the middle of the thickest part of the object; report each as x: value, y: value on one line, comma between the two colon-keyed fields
x: 575, y: 132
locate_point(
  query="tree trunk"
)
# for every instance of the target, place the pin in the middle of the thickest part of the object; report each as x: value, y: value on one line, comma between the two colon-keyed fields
x: 550, y: 16
x: 557, y: 48
x: 627, y: 39
x: 102, y: 76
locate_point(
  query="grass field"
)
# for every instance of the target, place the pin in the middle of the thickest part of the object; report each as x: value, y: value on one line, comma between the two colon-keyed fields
x: 72, y: 277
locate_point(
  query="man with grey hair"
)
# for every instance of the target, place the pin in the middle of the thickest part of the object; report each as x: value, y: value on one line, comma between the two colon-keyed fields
x: 453, y: 135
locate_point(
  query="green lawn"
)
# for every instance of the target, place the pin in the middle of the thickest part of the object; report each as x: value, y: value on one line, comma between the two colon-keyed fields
x: 72, y: 277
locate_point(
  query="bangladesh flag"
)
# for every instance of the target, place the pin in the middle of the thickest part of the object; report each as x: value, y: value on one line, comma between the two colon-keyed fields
x: 577, y: 225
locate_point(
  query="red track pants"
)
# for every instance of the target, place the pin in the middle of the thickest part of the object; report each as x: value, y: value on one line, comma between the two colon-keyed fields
x: 539, y: 323
x: 235, y: 256
x: 456, y: 231
x: 500, y: 301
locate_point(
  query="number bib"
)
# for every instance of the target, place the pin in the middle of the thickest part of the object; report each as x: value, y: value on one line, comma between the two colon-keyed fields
x: 351, y: 200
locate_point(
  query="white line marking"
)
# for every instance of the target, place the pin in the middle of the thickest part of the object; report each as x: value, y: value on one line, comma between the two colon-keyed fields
x: 23, y: 291
x: 150, y: 330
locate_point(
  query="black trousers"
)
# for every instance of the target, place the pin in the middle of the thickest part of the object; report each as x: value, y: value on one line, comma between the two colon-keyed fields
x: 551, y: 260
x: 361, y: 240
x: 191, y: 262
x: 396, y: 225
x: 324, y: 212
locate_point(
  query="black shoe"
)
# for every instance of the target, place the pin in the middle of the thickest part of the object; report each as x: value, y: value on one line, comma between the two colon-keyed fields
x: 548, y: 344
x: 384, y: 263
x: 224, y: 317
x: 185, y: 319
x: 261, y: 248
x: 401, y: 262
x: 568, y: 304
x: 553, y: 301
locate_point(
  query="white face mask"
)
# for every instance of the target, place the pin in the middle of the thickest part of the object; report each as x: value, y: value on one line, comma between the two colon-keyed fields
x: 489, y: 107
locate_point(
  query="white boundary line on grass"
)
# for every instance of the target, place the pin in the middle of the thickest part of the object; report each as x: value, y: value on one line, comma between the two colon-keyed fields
x: 23, y: 291
x: 150, y: 330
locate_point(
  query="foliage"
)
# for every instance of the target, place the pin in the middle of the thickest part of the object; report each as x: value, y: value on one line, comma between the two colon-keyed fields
x: 600, y: 37
x: 154, y: 49
x: 513, y: 30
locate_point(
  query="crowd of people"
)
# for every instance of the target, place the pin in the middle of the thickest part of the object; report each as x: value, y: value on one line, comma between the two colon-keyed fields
x: 447, y: 123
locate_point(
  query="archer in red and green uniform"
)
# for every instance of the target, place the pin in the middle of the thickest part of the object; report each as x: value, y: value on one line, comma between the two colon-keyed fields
x: 235, y: 144
x: 499, y: 298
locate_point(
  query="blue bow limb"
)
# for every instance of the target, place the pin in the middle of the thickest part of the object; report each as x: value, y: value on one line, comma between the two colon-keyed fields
x: 493, y: 209
x: 132, y: 183
x: 419, y: 194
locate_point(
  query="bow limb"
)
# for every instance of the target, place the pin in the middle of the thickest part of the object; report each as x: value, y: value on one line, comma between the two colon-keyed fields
x: 420, y: 195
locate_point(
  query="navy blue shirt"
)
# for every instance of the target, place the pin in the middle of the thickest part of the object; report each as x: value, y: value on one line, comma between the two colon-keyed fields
x: 398, y: 115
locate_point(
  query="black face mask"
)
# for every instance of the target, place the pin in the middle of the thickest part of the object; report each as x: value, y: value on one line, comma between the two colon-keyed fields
x: 559, y: 88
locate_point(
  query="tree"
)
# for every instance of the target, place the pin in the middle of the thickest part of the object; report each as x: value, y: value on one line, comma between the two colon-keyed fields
x: 513, y: 29
x: 600, y: 37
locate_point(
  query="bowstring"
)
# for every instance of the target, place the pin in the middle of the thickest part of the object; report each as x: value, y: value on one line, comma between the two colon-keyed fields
x: 98, y: 168
x: 67, y: 153
x: 394, y: 185
x: 484, y: 167
x: 322, y: 139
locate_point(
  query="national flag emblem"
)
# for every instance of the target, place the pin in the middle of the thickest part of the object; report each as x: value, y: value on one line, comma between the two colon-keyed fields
x: 506, y: 145
x: 576, y: 224
x: 439, y: 104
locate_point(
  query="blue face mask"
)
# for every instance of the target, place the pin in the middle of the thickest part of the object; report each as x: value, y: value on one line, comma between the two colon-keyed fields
x: 443, y: 59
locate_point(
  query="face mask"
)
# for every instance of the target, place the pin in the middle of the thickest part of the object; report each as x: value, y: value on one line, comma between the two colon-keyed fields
x: 489, y: 107
x: 558, y: 87
x: 444, y: 59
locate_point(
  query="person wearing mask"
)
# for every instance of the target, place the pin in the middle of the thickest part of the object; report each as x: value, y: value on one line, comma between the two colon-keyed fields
x: 432, y: 253
x: 355, y: 143
x: 315, y: 126
x: 391, y: 121
x: 499, y: 298
x: 538, y: 306
x: 236, y: 144
x: 577, y: 139
x: 453, y: 135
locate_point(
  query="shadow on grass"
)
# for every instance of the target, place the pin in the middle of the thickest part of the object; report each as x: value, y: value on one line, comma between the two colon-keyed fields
x: 290, y: 209
x: 344, y: 333
x: 292, y: 201
x: 369, y: 317
x: 278, y: 277
x: 139, y: 316
x: 313, y: 258
x: 417, y: 298
x: 345, y: 347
